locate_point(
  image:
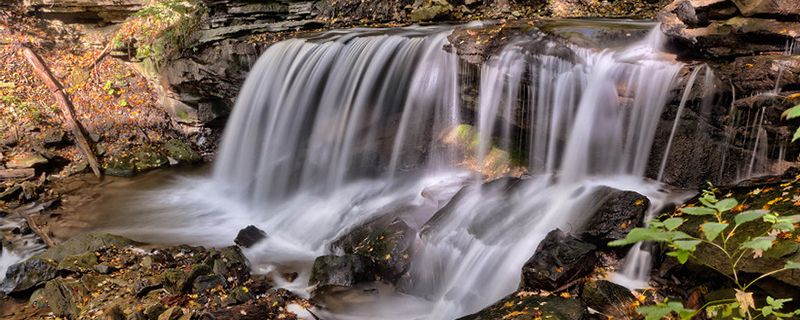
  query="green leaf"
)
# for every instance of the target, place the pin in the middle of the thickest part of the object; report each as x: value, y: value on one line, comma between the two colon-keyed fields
x: 749, y: 215
x: 699, y: 211
x: 777, y: 304
x: 653, y: 312
x: 636, y: 235
x: 766, y: 311
x: 706, y: 201
x: 690, y: 245
x: 726, y: 204
x: 796, y: 135
x: 673, y: 223
x: 760, y: 243
x: 792, y: 265
x: 792, y: 112
x: 678, y: 235
x: 682, y: 255
x: 713, y: 229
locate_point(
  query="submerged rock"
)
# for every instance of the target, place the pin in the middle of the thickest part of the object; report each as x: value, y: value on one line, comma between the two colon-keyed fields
x: 388, y: 244
x: 530, y: 306
x: 344, y: 271
x: 559, y: 260
x: 249, y: 236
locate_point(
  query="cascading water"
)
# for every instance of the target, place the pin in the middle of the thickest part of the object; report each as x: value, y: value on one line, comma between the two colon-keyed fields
x: 334, y: 130
x: 318, y: 123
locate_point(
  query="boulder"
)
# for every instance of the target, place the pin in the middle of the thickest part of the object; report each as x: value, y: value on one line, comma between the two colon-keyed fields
x: 63, y: 296
x: 345, y: 271
x: 37, y: 299
x: 390, y: 246
x: 436, y: 10
x: 28, y: 274
x: 119, y: 165
x: 559, y: 259
x: 148, y: 158
x: 206, y: 283
x: 84, y: 243
x: 610, y: 299
x: 249, y: 236
x: 530, y: 306
x: 618, y: 212
x: 182, y: 152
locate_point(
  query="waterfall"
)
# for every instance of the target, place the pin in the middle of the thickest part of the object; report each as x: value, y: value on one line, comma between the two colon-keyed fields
x: 329, y: 132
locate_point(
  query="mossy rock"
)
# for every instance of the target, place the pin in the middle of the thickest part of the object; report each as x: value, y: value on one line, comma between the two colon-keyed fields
x: 529, y: 306
x: 147, y: 158
x: 80, y: 262
x: 63, y: 296
x: 84, y: 243
x: 120, y: 165
x: 182, y: 152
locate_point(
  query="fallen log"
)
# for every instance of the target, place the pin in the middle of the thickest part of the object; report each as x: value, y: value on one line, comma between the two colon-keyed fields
x: 35, y: 228
x: 65, y: 105
x: 17, y: 173
x: 101, y: 56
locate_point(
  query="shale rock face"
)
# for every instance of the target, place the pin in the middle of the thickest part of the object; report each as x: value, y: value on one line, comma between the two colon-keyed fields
x: 725, y: 28
x: 92, y: 11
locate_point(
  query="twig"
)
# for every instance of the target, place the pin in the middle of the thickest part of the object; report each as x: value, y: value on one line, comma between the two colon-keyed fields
x: 101, y: 56
x: 65, y: 105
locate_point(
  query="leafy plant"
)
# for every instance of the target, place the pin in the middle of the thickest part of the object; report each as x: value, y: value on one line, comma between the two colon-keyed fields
x: 718, y: 234
x: 792, y: 113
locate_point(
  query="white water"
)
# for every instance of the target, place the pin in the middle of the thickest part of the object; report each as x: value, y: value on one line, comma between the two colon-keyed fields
x: 330, y: 131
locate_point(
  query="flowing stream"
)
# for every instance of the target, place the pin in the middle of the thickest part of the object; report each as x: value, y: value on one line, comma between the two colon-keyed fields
x: 332, y: 130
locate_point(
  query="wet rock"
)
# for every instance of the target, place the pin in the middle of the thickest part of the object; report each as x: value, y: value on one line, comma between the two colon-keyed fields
x: 78, y: 263
x: 28, y: 274
x: 26, y: 160
x: 85, y: 243
x: 436, y: 10
x: 559, y: 260
x: 182, y: 152
x: 173, y: 313
x: 388, y: 244
x: 62, y: 297
x: 618, y: 212
x: 610, y: 299
x: 345, y: 270
x: 249, y: 236
x: 529, y: 306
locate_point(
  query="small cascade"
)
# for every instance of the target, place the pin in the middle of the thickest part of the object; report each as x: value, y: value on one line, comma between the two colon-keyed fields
x: 686, y: 92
